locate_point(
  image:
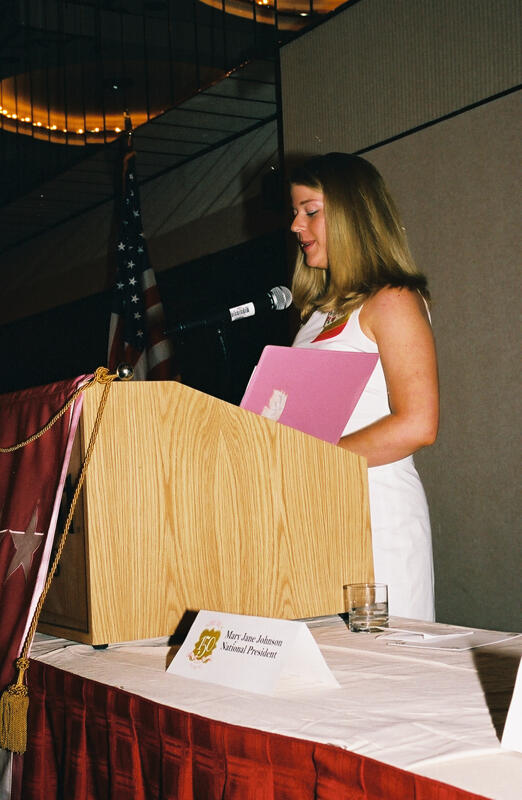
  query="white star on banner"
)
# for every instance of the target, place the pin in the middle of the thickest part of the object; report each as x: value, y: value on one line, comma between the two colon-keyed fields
x: 130, y: 264
x: 134, y: 298
x: 132, y: 281
x: 121, y: 246
x: 26, y: 544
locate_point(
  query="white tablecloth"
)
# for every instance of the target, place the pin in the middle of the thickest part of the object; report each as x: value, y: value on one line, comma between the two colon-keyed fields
x: 436, y: 713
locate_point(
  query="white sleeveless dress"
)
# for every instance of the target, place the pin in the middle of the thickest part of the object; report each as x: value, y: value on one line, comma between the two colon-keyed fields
x: 401, y: 534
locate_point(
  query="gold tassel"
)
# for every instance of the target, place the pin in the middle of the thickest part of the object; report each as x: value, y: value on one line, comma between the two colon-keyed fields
x: 14, y: 703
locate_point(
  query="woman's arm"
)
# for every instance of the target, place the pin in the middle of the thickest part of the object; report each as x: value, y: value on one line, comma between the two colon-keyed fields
x: 397, y: 320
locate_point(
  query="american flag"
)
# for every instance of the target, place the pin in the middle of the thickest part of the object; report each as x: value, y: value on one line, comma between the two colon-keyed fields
x: 136, y: 332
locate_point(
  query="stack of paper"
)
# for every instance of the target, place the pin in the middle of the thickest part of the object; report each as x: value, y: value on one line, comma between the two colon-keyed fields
x: 449, y: 637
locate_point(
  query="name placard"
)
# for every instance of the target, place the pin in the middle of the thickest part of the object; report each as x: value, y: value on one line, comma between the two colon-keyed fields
x: 512, y: 735
x: 257, y: 654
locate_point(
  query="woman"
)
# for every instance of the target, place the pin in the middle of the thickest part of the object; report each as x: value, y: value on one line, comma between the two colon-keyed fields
x: 359, y: 290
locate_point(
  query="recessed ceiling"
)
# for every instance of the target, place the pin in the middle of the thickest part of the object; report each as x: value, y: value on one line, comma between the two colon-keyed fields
x: 241, y: 102
x: 70, y: 70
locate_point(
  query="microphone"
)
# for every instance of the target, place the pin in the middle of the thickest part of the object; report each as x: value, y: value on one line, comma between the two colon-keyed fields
x: 277, y: 299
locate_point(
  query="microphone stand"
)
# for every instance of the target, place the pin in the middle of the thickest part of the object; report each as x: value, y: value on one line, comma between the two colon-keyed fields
x: 277, y: 299
x: 225, y: 375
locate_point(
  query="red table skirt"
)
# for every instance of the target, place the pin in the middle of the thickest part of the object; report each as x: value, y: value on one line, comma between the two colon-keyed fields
x: 89, y: 741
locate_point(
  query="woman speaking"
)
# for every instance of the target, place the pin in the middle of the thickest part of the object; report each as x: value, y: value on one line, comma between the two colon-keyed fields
x: 359, y: 290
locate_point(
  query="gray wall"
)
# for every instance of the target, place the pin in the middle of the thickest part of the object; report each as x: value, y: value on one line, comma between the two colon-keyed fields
x: 373, y: 72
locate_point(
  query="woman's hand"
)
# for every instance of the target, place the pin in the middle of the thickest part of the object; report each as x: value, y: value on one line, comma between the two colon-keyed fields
x: 397, y: 320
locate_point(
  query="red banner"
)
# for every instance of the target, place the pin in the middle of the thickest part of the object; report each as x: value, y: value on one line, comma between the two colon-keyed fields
x: 31, y: 484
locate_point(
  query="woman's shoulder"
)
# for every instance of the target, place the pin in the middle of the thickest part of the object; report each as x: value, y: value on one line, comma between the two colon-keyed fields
x: 390, y: 305
x: 395, y: 299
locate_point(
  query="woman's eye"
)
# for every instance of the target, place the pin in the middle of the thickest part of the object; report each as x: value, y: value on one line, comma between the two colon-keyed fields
x: 312, y: 213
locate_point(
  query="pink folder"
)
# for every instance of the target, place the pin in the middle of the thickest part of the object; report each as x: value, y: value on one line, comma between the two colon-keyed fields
x: 314, y: 391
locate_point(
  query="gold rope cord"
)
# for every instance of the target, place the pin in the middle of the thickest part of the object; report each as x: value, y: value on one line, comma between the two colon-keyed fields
x: 102, y: 375
x: 14, y: 701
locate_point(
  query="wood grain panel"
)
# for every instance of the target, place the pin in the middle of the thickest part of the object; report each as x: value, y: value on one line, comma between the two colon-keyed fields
x: 194, y: 503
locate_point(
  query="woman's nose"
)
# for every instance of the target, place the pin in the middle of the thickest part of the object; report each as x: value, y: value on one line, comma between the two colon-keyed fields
x: 296, y: 224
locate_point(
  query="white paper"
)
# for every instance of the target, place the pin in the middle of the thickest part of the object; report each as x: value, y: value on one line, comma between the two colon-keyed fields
x: 257, y: 654
x: 424, y: 632
x: 451, y: 639
x: 512, y: 735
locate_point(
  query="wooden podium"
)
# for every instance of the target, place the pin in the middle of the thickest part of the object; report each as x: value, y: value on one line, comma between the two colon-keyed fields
x: 191, y: 503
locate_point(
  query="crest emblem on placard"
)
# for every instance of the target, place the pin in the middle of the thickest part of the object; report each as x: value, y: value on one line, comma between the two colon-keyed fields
x: 205, y: 645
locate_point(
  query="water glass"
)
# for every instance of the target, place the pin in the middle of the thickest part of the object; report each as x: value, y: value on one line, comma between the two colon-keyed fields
x: 367, y: 606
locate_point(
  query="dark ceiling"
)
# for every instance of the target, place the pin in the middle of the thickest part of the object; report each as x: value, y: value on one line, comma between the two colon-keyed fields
x: 189, y: 77
x: 242, y: 101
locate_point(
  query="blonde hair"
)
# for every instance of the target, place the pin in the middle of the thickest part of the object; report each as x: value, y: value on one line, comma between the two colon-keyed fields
x: 366, y: 242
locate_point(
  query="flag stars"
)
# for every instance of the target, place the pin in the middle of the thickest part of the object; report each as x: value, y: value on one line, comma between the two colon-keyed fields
x: 130, y: 303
